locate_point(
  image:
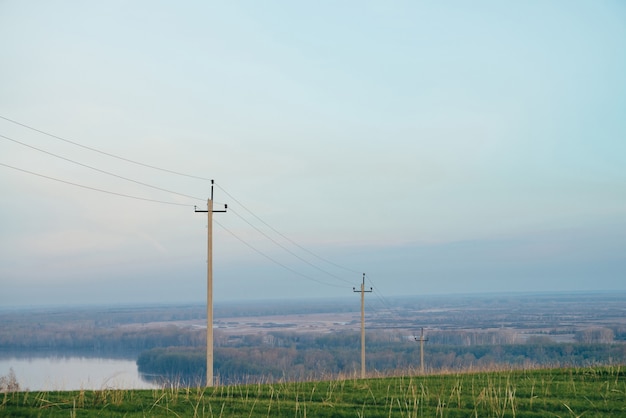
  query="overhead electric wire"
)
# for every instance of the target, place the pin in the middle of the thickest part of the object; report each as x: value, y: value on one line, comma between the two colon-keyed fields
x: 284, y: 236
x: 99, y: 170
x: 272, y: 259
x: 103, y: 152
x: 287, y: 249
x: 176, y: 203
x: 93, y: 188
x: 377, y: 292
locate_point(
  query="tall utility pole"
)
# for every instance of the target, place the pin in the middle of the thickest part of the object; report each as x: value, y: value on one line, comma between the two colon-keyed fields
x: 421, y: 340
x: 362, y: 291
x: 209, y: 288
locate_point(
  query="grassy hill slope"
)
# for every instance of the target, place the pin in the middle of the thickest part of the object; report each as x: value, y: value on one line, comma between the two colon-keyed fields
x: 590, y: 392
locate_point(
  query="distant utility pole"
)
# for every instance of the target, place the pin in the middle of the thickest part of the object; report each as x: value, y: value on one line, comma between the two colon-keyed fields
x: 362, y: 291
x: 209, y: 290
x: 421, y: 340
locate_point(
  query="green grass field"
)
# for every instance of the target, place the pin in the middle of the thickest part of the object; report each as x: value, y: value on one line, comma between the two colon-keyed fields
x: 587, y: 392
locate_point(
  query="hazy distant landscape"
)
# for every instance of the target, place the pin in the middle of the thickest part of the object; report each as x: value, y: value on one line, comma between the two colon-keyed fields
x: 298, y: 340
x: 464, y: 161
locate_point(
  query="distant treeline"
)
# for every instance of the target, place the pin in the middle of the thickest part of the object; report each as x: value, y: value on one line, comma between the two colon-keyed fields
x: 99, y: 317
x: 99, y: 330
x: 325, y: 357
x: 60, y: 335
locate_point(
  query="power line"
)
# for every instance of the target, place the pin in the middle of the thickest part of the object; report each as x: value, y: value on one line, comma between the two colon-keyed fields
x: 98, y: 170
x: 378, y: 294
x: 287, y: 249
x: 172, y: 203
x: 93, y: 188
x: 272, y: 259
x: 102, y: 152
x: 285, y: 237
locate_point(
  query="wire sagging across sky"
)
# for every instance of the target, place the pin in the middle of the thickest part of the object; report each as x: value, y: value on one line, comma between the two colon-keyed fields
x: 284, y: 236
x: 287, y: 249
x: 99, y: 170
x: 128, y: 160
x: 253, y: 248
x: 311, y: 260
x: 92, y: 188
x: 274, y: 241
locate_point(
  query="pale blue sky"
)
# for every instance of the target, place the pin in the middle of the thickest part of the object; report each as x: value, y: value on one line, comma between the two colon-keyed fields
x: 440, y: 147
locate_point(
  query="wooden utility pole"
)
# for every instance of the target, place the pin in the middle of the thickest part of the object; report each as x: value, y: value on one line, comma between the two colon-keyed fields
x: 421, y: 340
x: 362, y: 291
x: 209, y: 290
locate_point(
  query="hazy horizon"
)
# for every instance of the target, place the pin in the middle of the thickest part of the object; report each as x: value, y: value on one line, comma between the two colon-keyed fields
x: 440, y: 148
x: 375, y: 304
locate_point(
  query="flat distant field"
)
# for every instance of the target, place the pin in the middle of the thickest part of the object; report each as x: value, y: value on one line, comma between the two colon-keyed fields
x: 587, y: 392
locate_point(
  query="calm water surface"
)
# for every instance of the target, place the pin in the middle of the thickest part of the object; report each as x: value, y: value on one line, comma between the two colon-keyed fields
x: 74, y: 373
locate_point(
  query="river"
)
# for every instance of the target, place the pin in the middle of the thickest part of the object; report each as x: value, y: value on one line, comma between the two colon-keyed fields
x: 73, y: 373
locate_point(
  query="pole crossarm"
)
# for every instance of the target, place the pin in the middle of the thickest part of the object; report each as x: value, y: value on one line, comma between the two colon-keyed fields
x: 211, y: 199
x: 214, y: 211
x: 209, y: 305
